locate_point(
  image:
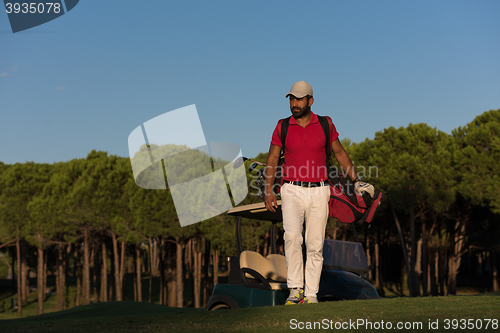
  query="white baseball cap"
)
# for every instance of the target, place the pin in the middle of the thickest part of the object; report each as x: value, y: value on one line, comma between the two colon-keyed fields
x: 300, y: 89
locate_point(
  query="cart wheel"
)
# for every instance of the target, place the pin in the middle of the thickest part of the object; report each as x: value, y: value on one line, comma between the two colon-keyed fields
x: 220, y: 306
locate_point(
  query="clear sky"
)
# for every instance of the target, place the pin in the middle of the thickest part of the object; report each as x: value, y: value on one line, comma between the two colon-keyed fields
x: 87, y: 79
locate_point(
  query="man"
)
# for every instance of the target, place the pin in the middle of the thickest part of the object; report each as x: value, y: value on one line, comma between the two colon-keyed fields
x: 305, y: 191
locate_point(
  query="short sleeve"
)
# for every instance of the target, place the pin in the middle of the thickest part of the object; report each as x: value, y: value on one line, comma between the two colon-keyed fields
x: 334, y: 135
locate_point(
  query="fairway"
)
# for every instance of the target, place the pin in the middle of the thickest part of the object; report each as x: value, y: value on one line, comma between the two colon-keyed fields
x: 347, y: 316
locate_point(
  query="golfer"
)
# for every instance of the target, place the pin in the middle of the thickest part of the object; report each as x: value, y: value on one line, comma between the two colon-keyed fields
x: 305, y: 191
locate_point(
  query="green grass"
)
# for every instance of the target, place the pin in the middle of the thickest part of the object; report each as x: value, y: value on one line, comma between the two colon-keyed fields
x: 144, y: 317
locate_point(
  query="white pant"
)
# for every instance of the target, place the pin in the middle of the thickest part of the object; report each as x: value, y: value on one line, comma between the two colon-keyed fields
x: 298, y: 203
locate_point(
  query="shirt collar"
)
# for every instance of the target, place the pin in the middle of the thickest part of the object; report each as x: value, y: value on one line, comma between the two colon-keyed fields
x: 314, y: 119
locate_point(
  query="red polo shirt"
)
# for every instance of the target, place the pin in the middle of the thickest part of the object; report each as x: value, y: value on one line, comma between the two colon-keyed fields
x: 305, y: 155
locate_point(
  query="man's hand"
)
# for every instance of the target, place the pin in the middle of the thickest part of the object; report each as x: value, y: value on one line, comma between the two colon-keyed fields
x: 271, y: 202
x: 361, y: 187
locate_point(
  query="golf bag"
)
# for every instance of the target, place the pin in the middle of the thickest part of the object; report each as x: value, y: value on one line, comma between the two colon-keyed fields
x: 345, y: 204
x: 348, y: 206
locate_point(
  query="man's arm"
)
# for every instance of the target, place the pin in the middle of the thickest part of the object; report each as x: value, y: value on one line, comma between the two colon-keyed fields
x: 270, y: 175
x: 343, y: 159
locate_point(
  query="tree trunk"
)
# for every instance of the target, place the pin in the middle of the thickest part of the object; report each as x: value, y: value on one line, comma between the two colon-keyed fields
x: 156, y: 260
x: 58, y: 280
x: 199, y: 255
x: 188, y: 260
x: 86, y: 269
x: 425, y: 264
x: 62, y: 272
x: 404, y: 272
x: 163, y: 271
x: 369, y: 258
x: 61, y: 277
x: 96, y: 271
x: 196, y: 272
x: 39, y: 280
x: 122, y: 270
x: 78, y: 273
x: 452, y: 277
x: 12, y: 267
x: 45, y: 260
x: 442, y: 264
x: 379, y: 283
x: 151, y: 268
x: 414, y: 286
x: 138, y: 272
x: 65, y: 269
x: 433, y: 269
x: 118, y: 287
x: 442, y: 269
x: 104, y: 273
x: 206, y: 264
x: 418, y: 266
x: 24, y: 273
x: 457, y: 241
x: 171, y: 274
x: 194, y: 253
x: 134, y: 273
x: 215, y: 264
x: 113, y: 282
x: 179, y: 275
x: 494, y: 267
x: 152, y: 257
x: 19, y: 281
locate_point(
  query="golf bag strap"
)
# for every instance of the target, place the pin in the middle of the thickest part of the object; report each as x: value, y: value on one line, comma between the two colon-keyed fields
x: 326, y: 129
x: 284, y: 130
x: 328, y: 148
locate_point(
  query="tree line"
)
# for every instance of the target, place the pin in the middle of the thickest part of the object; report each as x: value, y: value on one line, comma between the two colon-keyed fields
x: 88, y: 219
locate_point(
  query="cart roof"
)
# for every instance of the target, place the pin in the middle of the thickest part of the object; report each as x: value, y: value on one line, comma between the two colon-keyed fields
x: 257, y: 211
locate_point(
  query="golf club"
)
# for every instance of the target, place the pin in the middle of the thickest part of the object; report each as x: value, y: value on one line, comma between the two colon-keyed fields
x: 253, y: 166
x: 240, y: 160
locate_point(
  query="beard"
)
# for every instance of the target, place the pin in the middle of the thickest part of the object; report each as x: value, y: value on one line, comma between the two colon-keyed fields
x: 298, y: 113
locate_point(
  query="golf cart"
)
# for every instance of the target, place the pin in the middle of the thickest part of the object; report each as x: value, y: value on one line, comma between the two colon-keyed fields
x: 258, y: 281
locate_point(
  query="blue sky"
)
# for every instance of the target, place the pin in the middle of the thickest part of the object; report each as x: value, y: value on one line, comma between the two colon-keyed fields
x: 87, y: 79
